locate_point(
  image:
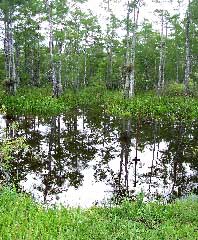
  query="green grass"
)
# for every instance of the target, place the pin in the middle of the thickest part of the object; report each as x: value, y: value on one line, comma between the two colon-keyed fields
x: 21, y: 218
x: 147, y: 106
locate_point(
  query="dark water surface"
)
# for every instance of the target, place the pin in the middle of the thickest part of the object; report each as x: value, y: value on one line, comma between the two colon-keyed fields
x: 87, y: 157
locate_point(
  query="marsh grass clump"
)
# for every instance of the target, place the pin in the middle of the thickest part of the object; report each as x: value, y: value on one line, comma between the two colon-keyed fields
x: 35, y: 102
x: 147, y: 107
x: 22, y: 218
x: 150, y: 107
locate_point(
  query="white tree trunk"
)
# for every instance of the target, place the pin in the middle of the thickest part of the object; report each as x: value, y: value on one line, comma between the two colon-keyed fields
x: 161, y: 63
x: 130, y: 50
x: 17, y: 63
x: 187, y: 60
x: 133, y: 49
x: 9, y: 51
x: 127, y: 60
x: 59, y: 79
x: 52, y: 70
x: 14, y: 87
x: 85, y: 67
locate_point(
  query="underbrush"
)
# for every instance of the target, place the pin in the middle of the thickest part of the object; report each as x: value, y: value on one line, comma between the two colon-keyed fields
x: 178, y: 89
x: 22, y: 218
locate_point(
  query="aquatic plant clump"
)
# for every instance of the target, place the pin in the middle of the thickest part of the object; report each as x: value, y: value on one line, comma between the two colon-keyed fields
x: 146, y: 107
x: 149, y: 107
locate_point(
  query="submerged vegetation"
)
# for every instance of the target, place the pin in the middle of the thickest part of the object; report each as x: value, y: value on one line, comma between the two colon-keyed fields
x: 21, y: 218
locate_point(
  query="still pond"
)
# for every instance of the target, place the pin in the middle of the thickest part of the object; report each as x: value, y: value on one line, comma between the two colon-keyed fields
x: 87, y: 157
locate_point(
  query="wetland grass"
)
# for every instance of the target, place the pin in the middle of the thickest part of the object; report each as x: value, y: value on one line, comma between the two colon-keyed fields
x: 22, y: 218
x: 146, y: 106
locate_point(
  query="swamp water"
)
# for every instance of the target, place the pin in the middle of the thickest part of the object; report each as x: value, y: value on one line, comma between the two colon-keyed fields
x: 87, y: 157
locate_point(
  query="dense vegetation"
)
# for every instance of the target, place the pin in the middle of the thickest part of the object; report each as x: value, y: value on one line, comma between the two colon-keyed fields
x: 83, y: 51
x: 172, y: 106
x: 131, y: 220
x: 57, y: 56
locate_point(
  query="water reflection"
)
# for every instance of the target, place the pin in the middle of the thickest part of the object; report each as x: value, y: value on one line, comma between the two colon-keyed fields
x: 87, y: 156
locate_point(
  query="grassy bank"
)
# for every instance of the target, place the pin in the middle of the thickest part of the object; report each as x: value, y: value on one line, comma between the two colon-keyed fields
x: 21, y: 218
x: 148, y: 106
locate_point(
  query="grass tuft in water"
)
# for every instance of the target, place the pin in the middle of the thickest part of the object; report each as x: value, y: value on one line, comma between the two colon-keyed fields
x: 148, y: 106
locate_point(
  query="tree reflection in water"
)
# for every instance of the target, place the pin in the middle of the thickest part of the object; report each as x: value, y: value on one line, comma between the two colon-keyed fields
x: 90, y: 152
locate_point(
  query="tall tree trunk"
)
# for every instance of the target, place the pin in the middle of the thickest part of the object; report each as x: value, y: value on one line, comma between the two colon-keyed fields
x: 164, y: 54
x: 17, y: 61
x: 59, y: 78
x: 187, y: 60
x: 76, y: 58
x: 85, y: 67
x: 37, y: 60
x: 6, y: 48
x: 161, y: 63
x: 53, y: 77
x: 177, y: 64
x: 32, y: 66
x: 109, y: 68
x: 38, y: 64
x: 109, y: 58
x: 133, y: 49
x: 130, y: 50
x: 9, y: 52
x: 127, y: 57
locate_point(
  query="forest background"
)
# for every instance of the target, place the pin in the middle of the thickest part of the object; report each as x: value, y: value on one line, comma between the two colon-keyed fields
x: 62, y: 44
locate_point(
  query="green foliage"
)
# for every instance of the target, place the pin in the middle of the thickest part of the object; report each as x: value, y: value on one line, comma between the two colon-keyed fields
x: 33, y: 101
x: 21, y: 218
x: 172, y: 107
x: 178, y: 89
x: 89, y: 54
x: 150, y: 107
x: 175, y: 89
x: 9, y: 147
